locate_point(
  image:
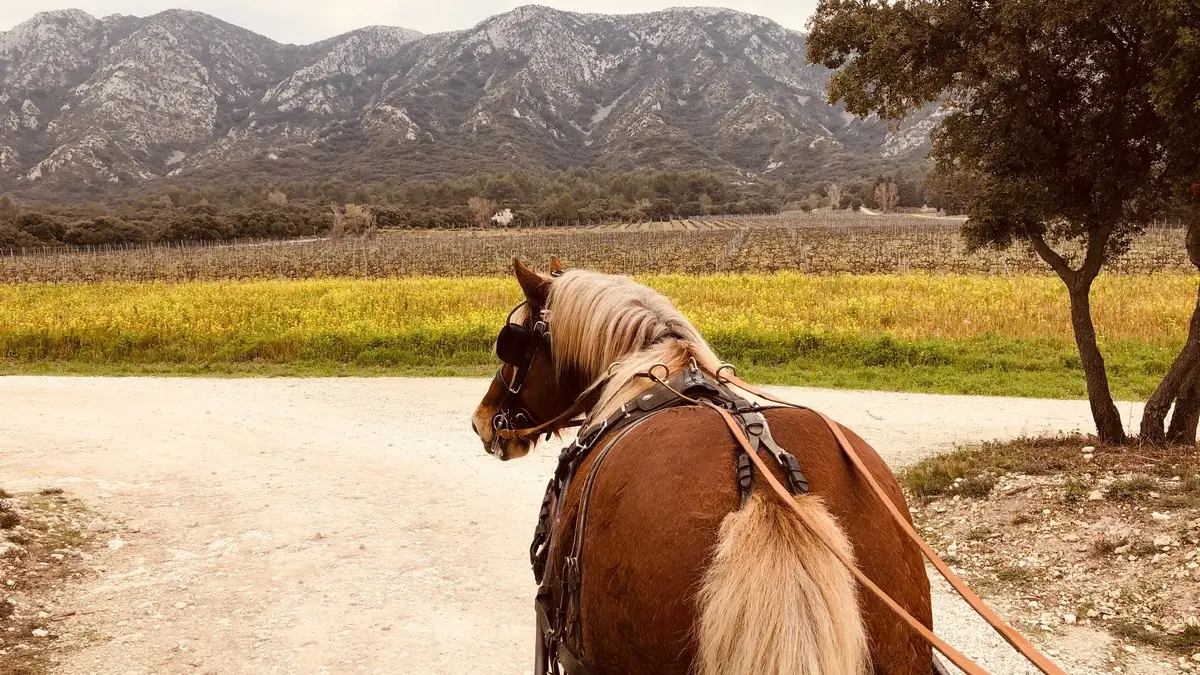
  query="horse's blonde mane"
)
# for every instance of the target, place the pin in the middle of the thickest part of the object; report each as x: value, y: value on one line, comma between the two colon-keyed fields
x: 597, y: 320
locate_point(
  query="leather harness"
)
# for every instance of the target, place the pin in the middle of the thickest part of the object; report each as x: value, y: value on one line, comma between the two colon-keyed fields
x: 559, y: 624
x: 518, y: 345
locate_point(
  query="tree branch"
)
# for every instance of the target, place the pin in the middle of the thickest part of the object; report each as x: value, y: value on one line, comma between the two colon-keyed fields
x: 1193, y: 237
x: 1097, y: 252
x: 1052, y: 258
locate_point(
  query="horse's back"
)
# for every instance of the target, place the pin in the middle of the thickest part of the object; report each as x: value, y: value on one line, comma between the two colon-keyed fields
x: 654, y: 518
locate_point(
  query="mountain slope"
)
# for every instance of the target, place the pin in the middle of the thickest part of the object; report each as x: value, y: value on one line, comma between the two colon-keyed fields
x: 87, y: 103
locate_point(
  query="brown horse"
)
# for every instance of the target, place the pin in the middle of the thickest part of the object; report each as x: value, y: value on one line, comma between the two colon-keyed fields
x: 685, y: 572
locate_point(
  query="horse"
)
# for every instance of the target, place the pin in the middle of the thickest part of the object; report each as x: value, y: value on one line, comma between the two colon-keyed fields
x: 686, y: 571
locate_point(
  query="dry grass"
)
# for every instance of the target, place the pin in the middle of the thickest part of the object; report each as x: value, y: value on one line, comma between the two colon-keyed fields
x: 969, y: 470
x: 1184, y: 643
x: 819, y: 243
x: 1132, y: 489
x: 50, y: 550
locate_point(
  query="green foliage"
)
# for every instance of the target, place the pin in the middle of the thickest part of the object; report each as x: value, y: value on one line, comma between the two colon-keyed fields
x: 222, y: 211
x: 1049, y: 106
x: 1074, y: 490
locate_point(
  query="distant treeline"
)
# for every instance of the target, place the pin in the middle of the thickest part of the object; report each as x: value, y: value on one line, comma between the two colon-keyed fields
x: 226, y: 211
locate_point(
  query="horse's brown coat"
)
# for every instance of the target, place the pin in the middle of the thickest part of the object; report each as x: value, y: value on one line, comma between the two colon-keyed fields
x: 654, y: 517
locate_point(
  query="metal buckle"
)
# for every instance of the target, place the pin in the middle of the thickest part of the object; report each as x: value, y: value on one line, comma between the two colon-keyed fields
x: 725, y: 366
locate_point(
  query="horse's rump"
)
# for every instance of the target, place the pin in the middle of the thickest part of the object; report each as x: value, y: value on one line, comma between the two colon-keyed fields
x: 654, y: 522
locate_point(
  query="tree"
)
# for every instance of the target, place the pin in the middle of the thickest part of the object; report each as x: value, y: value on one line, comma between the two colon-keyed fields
x: 1176, y: 96
x: 562, y: 208
x: 661, y: 209
x: 887, y: 195
x: 691, y: 209
x: 503, y: 218
x: 337, y: 230
x: 359, y: 220
x: 835, y: 196
x: 482, y: 209
x: 1047, y: 103
x: 950, y: 192
x: 8, y: 210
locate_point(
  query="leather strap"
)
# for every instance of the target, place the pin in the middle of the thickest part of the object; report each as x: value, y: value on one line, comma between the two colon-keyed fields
x: 580, y: 405
x: 1006, y: 631
x: 957, y: 658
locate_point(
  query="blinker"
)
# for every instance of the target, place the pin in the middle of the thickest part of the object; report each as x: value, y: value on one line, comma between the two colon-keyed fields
x: 516, y: 345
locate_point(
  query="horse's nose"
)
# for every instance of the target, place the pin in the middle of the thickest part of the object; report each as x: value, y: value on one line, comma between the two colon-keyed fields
x: 474, y: 428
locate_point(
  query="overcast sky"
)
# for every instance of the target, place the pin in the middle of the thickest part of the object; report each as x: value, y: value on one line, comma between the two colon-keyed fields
x: 304, y: 21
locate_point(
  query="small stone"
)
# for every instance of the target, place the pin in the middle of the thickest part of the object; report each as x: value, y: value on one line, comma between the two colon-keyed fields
x: 39, y: 632
x: 1070, y: 537
x: 1088, y: 449
x: 1196, y: 657
x: 1069, y: 619
x: 1088, y: 457
x: 1095, y: 496
x: 11, y: 551
x: 181, y: 605
x: 1122, y: 550
x: 1160, y: 516
x: 116, y: 544
x: 1131, y: 649
x: 1164, y: 540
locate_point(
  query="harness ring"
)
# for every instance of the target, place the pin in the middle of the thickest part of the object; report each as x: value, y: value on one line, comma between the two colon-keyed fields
x: 666, y: 372
x: 725, y: 366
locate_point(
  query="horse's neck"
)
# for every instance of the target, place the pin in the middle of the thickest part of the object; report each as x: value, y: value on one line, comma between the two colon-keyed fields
x: 626, y: 385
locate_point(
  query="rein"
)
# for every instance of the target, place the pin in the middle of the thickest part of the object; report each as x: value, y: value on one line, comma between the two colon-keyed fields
x: 518, y: 345
x: 563, y: 419
x: 968, y: 666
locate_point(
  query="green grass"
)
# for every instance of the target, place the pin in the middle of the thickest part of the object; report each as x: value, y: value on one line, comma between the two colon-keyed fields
x: 837, y: 371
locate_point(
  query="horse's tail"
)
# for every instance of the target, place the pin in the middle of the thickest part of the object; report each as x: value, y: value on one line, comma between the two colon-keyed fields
x: 775, y: 600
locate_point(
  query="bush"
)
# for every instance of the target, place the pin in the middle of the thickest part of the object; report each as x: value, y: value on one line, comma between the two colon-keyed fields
x: 103, y: 230
x: 12, y: 238
x: 46, y: 228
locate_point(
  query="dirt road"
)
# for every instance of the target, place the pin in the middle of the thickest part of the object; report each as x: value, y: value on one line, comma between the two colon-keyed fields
x: 347, y: 525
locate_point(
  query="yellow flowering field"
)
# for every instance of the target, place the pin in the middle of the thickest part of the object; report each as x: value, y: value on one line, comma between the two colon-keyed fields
x: 1003, y: 334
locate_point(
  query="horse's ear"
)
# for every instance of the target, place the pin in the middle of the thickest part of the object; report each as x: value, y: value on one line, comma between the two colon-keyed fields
x: 533, y: 284
x: 556, y: 266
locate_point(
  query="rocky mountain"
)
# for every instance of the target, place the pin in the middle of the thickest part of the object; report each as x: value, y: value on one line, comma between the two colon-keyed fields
x: 88, y: 104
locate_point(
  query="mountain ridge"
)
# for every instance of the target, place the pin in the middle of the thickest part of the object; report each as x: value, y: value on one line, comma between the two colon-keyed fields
x: 94, y: 104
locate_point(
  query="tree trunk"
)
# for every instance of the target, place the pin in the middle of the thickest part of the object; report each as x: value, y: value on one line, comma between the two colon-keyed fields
x: 1187, y: 412
x: 1079, y: 287
x: 1182, y: 380
x: 1104, y: 411
x: 1183, y: 373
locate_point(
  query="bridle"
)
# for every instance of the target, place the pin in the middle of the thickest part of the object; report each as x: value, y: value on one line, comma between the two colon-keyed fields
x: 517, y: 346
